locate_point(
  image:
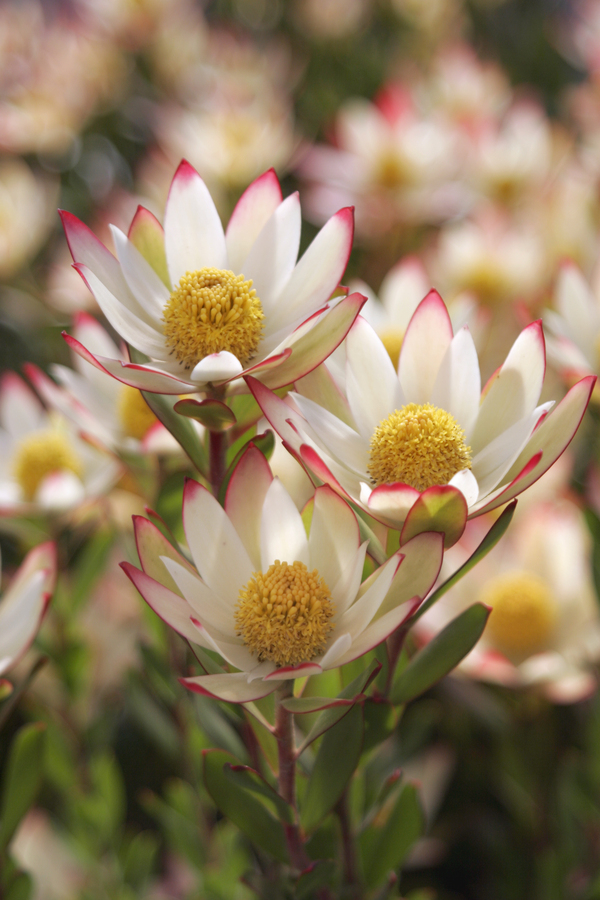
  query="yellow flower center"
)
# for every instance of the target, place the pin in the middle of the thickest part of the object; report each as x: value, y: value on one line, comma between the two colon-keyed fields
x: 392, y: 171
x: 39, y: 455
x: 523, y: 616
x: 488, y: 281
x: 212, y: 310
x: 135, y: 415
x: 419, y: 445
x: 283, y: 616
x: 392, y: 339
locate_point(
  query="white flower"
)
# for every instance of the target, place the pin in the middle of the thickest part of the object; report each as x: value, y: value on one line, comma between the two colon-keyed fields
x: 544, y: 628
x: 574, y: 339
x: 44, y: 465
x: 208, y: 307
x: 24, y: 603
x: 424, y: 443
x: 256, y: 550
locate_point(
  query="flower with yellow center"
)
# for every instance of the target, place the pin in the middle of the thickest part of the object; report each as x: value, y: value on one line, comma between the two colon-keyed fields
x: 45, y: 466
x: 41, y: 454
x: 423, y: 440
x: 544, y: 625
x: 135, y: 415
x: 524, y: 613
x: 274, y: 602
x: 206, y: 306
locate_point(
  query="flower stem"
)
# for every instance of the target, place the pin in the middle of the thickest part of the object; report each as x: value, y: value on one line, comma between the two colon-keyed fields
x: 217, y: 443
x: 286, y: 750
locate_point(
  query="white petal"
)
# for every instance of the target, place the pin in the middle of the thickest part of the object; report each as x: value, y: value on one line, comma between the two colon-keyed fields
x: 466, y: 482
x: 216, y: 367
x: 372, y: 385
x: 282, y: 534
x: 215, y: 611
x: 273, y: 255
x: 334, y: 537
x: 457, y: 387
x: 146, y: 286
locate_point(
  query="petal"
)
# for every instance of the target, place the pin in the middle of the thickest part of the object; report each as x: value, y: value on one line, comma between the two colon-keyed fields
x: 467, y: 484
x: 216, y: 367
x: 148, y: 236
x: 216, y: 548
x: 389, y: 502
x: 282, y: 534
x: 515, y: 389
x: 151, y: 545
x: 339, y: 439
x: 245, y: 497
x: 20, y: 618
x: 334, y: 537
x: 378, y: 631
x: 418, y: 571
x: 194, y: 235
x: 231, y: 687
x: 144, y: 283
x: 20, y: 410
x: 426, y: 341
x: 364, y: 609
x: 457, y: 388
x: 213, y: 611
x: 318, y: 272
x: 273, y: 255
x: 372, y: 384
x: 171, y: 608
x: 256, y: 205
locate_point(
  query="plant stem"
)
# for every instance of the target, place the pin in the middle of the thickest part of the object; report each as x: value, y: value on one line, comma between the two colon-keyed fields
x: 395, y: 643
x: 217, y: 442
x: 351, y: 879
x: 286, y: 751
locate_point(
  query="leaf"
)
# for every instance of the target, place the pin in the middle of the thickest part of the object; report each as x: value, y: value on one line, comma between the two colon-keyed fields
x: 319, y: 874
x: 488, y: 543
x: 337, y: 708
x: 20, y: 887
x: 334, y: 766
x: 442, y: 654
x: 384, y: 847
x: 250, y: 780
x: 381, y: 719
x: 213, y: 414
x: 90, y: 564
x: 22, y: 778
x: 440, y: 508
x: 241, y: 807
x: 162, y: 405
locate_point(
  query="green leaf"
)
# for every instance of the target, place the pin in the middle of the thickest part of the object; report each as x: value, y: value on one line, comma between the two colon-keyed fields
x: 335, y: 709
x: 381, y: 720
x: 90, y: 565
x: 213, y: 414
x: 334, y: 766
x: 252, y: 781
x: 319, y: 874
x: 497, y: 531
x: 20, y: 887
x: 440, y: 508
x: 442, y: 654
x: 22, y: 778
x: 242, y: 807
x: 384, y: 846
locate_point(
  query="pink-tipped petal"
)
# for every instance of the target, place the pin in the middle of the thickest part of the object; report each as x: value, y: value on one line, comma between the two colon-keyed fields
x: 442, y: 508
x: 151, y: 545
x: 273, y: 254
x: 231, y: 687
x: 426, y: 341
x: 256, y: 205
x: 245, y: 497
x: 194, y: 236
x: 20, y: 409
x: 171, y: 608
x: 372, y: 384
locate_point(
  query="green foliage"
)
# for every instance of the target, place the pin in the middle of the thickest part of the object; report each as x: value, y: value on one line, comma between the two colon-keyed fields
x: 22, y: 778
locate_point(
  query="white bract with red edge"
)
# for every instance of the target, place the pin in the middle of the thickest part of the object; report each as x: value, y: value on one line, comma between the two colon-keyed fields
x: 574, y: 329
x: 300, y: 327
x: 45, y: 465
x: 231, y: 547
x: 24, y: 603
x: 510, y: 439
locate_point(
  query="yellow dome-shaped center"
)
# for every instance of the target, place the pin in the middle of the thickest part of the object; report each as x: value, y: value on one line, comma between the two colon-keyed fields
x: 212, y: 310
x: 283, y: 615
x: 135, y: 415
x: 523, y: 616
x: 419, y: 445
x: 39, y: 455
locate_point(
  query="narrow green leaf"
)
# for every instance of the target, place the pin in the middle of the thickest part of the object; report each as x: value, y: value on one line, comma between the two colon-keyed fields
x: 252, y: 781
x: 384, y: 847
x: 22, y: 778
x: 213, y: 414
x: 335, y: 763
x: 497, y: 531
x: 442, y: 654
x: 381, y: 719
x: 337, y: 708
x: 241, y: 807
x: 20, y: 887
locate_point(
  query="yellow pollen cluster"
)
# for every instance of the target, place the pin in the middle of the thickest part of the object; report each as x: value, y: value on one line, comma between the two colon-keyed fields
x: 392, y: 171
x: 38, y: 456
x: 283, y: 616
x: 135, y: 415
x: 523, y: 614
x: 392, y: 339
x: 419, y: 445
x: 212, y: 310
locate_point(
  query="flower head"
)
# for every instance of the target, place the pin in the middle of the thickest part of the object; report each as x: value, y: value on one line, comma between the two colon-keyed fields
x: 208, y: 306
x: 273, y: 602
x: 423, y: 441
x: 24, y: 603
